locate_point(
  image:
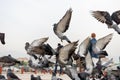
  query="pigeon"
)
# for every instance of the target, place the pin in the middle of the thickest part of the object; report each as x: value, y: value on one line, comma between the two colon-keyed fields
x: 39, y: 63
x: 35, y: 78
x: 66, y: 52
x: 11, y: 75
x: 8, y: 61
x: 2, y: 77
x: 72, y: 73
x: 112, y: 21
x: 54, y: 77
x: 63, y: 25
x: 38, y: 47
x: 2, y: 38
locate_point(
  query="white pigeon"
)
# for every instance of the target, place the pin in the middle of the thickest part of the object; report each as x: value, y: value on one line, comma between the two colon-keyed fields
x: 105, y: 17
x: 63, y: 25
x: 66, y: 52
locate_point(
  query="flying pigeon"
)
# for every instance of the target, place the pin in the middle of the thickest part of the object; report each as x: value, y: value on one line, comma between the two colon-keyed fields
x: 66, y: 52
x: 38, y: 47
x: 63, y: 25
x: 2, y: 38
x: 112, y: 21
x: 11, y: 75
x: 8, y: 61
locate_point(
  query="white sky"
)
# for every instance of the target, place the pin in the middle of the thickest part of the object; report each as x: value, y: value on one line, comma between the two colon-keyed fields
x: 26, y: 20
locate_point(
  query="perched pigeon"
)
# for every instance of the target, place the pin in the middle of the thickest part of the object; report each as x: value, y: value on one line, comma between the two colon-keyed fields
x: 2, y: 38
x: 63, y: 25
x: 11, y: 75
x: 105, y: 17
x: 8, y: 61
x: 2, y: 77
x: 66, y: 52
x: 54, y: 77
x: 39, y: 63
x: 35, y: 78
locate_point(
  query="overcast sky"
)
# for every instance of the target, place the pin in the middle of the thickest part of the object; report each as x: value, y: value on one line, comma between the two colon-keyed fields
x: 26, y: 20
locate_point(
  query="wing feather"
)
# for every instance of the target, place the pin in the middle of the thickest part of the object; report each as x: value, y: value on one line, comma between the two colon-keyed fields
x: 102, y: 42
x: 38, y: 42
x: 63, y: 24
x: 83, y: 47
x: 66, y: 51
x: 102, y: 16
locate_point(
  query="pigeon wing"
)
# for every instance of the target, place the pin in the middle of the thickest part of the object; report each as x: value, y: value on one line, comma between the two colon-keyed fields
x: 116, y: 16
x: 83, y: 47
x: 102, y: 16
x: 66, y: 52
x: 102, y: 42
x: 39, y: 42
x: 63, y: 24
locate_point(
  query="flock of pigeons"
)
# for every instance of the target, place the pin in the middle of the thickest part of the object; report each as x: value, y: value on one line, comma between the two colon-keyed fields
x: 39, y: 50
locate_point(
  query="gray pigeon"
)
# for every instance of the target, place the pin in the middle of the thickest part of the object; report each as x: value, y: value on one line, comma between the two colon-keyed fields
x: 66, y: 52
x: 11, y: 75
x: 8, y: 61
x: 105, y: 17
x: 63, y: 25
x: 35, y: 78
x: 39, y: 47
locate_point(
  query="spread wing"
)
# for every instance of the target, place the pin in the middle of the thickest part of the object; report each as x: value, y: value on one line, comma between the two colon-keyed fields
x: 38, y: 42
x: 102, y: 42
x: 66, y: 52
x: 83, y: 47
x: 116, y: 16
x: 102, y: 16
x: 63, y: 24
